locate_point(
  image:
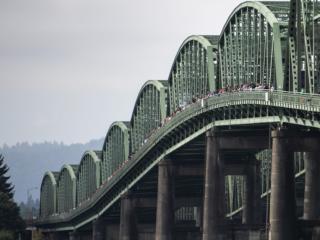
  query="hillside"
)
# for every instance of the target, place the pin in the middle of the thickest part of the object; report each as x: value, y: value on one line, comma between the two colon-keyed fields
x: 28, y: 162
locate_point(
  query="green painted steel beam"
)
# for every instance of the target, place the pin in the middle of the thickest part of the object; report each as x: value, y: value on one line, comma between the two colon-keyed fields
x: 48, y: 194
x: 116, y: 148
x: 88, y: 176
x: 194, y: 71
x: 149, y: 111
x: 66, y: 189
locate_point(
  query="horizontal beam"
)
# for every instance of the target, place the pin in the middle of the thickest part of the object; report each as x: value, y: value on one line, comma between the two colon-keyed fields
x: 179, y: 202
x: 243, y: 143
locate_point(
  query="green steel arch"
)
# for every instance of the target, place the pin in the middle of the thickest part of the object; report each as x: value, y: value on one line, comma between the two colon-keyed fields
x: 149, y: 111
x: 115, y: 148
x: 252, y: 45
x: 194, y: 70
x: 66, y: 188
x: 88, y: 175
x: 48, y: 194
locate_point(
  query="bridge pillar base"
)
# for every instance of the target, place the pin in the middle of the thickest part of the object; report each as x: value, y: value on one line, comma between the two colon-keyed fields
x: 165, y: 201
x: 98, y: 229
x: 282, y: 203
x: 128, y: 222
x: 311, y: 209
x: 214, y: 196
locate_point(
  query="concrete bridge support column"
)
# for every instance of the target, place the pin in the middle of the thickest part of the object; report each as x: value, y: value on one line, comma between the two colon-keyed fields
x: 44, y: 237
x: 282, y: 203
x: 251, y: 201
x: 74, y: 235
x: 57, y: 236
x: 165, y: 201
x: 214, y: 194
x: 128, y: 221
x: 98, y: 229
x: 311, y: 209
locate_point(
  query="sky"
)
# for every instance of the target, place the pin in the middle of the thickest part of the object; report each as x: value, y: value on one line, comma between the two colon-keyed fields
x: 68, y: 69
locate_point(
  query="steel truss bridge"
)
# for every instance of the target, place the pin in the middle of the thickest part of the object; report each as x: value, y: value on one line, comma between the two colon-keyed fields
x: 195, y: 157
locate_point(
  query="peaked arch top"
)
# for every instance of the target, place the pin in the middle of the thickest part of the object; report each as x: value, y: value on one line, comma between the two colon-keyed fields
x: 149, y: 111
x: 66, y: 188
x: 194, y: 70
x: 116, y: 148
x: 88, y: 175
x: 252, y: 45
x: 48, y: 194
x: 273, y: 12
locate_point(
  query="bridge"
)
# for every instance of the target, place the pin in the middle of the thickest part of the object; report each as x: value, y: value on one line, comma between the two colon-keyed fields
x: 226, y: 148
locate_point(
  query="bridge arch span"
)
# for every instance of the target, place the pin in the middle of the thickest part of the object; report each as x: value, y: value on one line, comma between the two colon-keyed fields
x: 48, y: 194
x: 66, y: 188
x: 116, y: 148
x: 88, y: 175
x: 194, y: 70
x: 252, y: 45
x: 149, y: 111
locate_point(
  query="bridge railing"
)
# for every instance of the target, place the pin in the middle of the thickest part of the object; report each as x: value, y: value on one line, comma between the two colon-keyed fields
x: 277, y: 98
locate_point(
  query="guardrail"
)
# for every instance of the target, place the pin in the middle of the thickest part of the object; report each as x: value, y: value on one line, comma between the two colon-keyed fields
x: 273, y: 98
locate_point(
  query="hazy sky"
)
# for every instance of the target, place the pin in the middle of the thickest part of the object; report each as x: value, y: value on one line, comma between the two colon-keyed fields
x: 69, y: 68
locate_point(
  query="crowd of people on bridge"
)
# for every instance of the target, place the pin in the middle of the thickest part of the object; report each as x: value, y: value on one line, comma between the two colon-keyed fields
x: 218, y: 92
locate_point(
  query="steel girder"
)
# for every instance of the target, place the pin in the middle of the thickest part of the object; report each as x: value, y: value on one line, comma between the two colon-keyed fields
x: 303, y: 56
x: 250, y: 45
x: 235, y: 184
x: 88, y: 175
x: 116, y: 148
x: 149, y: 112
x: 66, y: 188
x: 48, y: 194
x: 234, y: 192
x: 194, y: 71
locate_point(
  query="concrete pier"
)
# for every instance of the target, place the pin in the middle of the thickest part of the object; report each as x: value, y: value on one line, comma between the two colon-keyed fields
x: 165, y: 201
x: 214, y: 196
x: 128, y: 221
x: 252, y: 192
x: 282, y: 203
x: 98, y: 229
x: 311, y: 209
x: 73, y: 235
x: 248, y: 201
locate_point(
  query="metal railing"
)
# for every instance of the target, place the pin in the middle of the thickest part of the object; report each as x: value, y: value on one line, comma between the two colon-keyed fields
x: 308, y: 102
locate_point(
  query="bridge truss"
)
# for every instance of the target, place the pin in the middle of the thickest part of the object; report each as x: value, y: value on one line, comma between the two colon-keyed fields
x: 269, y: 44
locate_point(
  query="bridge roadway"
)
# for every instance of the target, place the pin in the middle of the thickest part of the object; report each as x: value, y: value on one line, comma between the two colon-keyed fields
x: 190, y: 164
x: 182, y: 140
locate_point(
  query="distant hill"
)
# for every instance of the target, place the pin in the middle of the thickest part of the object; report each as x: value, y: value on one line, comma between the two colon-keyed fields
x: 28, y: 162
